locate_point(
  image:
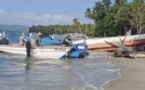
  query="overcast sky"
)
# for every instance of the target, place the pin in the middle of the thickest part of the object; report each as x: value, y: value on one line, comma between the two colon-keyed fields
x: 43, y: 12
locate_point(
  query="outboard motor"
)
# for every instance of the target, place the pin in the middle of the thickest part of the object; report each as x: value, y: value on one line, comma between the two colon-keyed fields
x: 79, y: 50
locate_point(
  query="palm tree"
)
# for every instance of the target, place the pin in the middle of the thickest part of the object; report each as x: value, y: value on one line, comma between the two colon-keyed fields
x: 77, y: 23
x: 120, y: 2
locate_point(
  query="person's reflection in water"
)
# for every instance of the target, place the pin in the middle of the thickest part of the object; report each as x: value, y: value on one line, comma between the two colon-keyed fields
x: 29, y: 64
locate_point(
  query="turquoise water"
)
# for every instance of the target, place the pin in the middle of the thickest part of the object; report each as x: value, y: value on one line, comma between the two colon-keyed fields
x: 22, y: 73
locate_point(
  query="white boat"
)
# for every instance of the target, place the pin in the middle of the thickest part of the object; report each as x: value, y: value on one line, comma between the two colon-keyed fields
x: 99, y: 44
x: 41, y: 51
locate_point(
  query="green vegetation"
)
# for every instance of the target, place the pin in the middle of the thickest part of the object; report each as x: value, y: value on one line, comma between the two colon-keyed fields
x: 110, y: 19
x: 62, y: 29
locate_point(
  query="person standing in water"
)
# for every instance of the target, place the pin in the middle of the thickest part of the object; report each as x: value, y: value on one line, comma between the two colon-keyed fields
x: 28, y: 48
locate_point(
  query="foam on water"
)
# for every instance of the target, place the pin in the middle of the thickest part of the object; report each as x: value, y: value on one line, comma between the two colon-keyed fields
x: 90, y: 73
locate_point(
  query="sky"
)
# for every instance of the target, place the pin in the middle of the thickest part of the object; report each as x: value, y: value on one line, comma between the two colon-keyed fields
x: 44, y: 12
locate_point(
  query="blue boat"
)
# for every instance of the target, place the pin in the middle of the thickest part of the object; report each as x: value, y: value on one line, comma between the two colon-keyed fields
x: 79, y: 50
x: 49, y: 41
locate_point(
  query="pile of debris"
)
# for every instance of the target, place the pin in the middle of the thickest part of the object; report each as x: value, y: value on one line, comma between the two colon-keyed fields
x: 123, y: 51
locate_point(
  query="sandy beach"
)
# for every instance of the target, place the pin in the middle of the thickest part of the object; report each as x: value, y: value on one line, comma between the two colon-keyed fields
x: 132, y: 79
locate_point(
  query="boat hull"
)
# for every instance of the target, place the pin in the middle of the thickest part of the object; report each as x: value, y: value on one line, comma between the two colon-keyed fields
x: 99, y: 44
x: 107, y: 47
x: 41, y: 52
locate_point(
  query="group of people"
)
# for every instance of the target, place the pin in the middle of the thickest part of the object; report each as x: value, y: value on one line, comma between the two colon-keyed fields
x: 37, y: 42
x: 33, y: 41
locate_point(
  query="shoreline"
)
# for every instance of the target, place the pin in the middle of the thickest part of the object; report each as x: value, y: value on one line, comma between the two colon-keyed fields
x: 132, y: 79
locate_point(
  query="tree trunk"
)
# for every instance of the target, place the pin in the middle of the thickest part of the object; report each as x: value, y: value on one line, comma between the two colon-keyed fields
x: 121, y: 50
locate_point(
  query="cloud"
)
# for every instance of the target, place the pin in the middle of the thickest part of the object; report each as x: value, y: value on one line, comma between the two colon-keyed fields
x: 29, y: 18
x: 1, y: 11
x: 64, y: 19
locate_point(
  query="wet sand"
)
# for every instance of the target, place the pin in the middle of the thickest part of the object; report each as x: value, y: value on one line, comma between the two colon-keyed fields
x: 132, y: 79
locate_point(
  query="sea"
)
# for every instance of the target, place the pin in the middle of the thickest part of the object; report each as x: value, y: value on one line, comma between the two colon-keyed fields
x: 18, y: 72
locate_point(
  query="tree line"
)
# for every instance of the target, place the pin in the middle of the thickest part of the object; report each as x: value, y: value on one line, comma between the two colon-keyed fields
x: 86, y: 29
x: 110, y: 19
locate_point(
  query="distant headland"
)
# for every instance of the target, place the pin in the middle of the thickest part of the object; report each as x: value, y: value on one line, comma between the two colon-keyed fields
x: 7, y: 27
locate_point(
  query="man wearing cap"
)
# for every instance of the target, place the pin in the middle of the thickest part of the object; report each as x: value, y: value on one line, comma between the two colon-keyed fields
x: 67, y: 40
x: 22, y: 39
x: 33, y: 41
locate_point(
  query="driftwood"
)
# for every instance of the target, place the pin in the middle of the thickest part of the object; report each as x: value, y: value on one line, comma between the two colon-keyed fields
x: 123, y: 51
x: 137, y: 55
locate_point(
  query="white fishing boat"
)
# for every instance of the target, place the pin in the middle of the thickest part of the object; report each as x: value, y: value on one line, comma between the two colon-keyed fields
x: 99, y: 44
x: 41, y: 51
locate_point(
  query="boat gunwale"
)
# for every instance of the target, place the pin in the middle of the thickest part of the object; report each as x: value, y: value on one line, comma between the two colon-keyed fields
x: 37, y: 47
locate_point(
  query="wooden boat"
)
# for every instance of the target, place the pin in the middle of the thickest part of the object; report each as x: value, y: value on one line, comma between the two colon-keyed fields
x: 99, y: 44
x: 41, y: 51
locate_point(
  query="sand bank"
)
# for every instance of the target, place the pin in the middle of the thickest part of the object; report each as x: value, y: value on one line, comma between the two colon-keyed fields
x: 133, y: 78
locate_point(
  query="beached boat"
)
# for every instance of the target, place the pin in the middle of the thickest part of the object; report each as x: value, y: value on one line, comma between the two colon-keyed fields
x: 41, y: 51
x: 99, y: 44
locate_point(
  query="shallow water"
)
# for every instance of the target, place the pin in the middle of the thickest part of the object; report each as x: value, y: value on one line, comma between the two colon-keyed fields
x: 17, y: 72
x: 20, y: 73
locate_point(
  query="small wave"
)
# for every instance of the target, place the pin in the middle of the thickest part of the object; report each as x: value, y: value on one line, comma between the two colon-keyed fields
x: 97, y: 55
